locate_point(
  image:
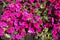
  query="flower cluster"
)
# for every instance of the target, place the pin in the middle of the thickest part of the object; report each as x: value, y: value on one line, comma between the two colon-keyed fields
x: 21, y: 17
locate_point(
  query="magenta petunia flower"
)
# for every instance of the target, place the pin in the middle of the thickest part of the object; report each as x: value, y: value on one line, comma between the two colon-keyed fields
x: 18, y: 14
x: 23, y: 33
x: 1, y: 31
x: 37, y: 0
x: 31, y: 10
x: 22, y: 23
x: 31, y: 30
x: 57, y: 6
x: 57, y: 13
x: 37, y: 18
x: 26, y: 25
x: 31, y: 0
x: 38, y: 29
x: 54, y: 31
x: 52, y: 1
x: 12, y: 15
x: 18, y: 0
x: 40, y: 21
x: 13, y: 36
x: 55, y: 36
x: 32, y: 20
x: 3, y: 24
x: 5, y: 15
x: 18, y: 36
x: 10, y: 30
x: 8, y: 0
x: 52, y: 20
x: 15, y: 23
x: 36, y: 25
x: 37, y: 5
x: 59, y: 30
x: 17, y: 4
x: 17, y: 27
x: 25, y: 18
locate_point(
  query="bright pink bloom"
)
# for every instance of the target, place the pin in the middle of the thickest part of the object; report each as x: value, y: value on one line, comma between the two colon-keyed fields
x: 31, y: 30
x: 12, y: 36
x: 17, y: 27
x: 12, y: 15
x: 57, y: 13
x: 52, y: 20
x: 18, y: 36
x: 22, y: 23
x: 57, y: 6
x: 52, y: 1
x: 40, y: 21
x: 10, y: 30
x: 18, y: 14
x: 32, y: 10
x: 37, y: 5
x: 5, y: 15
x: 23, y: 33
x: 37, y: 0
x: 17, y: 5
x: 37, y: 18
x: 18, y: 0
x: 38, y: 29
x: 36, y: 25
x: 26, y: 25
x: 55, y: 36
x: 25, y: 18
x: 31, y: 0
x: 15, y: 23
x: 10, y: 23
x: 1, y: 31
x: 32, y: 20
x: 3, y: 24
x: 8, y: 0
x: 54, y: 31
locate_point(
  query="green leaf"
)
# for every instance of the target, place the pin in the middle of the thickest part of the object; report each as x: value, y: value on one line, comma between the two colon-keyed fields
x: 45, y: 29
x: 45, y: 17
x: 15, y: 32
x: 4, y: 4
x: 22, y: 38
x: 7, y: 35
x: 36, y: 10
x: 41, y: 6
x: 33, y: 4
